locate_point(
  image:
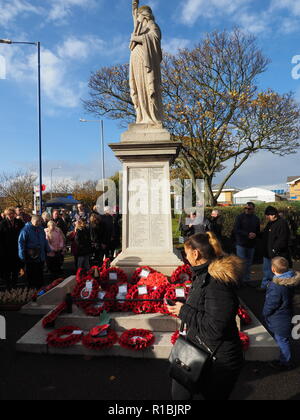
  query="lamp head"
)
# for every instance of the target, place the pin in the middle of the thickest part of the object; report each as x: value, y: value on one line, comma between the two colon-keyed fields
x: 5, y: 41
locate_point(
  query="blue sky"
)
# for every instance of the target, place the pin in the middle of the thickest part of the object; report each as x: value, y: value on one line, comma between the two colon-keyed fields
x: 80, y: 36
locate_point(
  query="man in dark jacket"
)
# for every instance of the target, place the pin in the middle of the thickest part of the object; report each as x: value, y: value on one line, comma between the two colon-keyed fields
x: 10, y: 263
x: 60, y: 223
x: 215, y: 224
x: 110, y: 233
x: 276, y: 238
x: 193, y: 226
x: 246, y: 230
x: 33, y: 250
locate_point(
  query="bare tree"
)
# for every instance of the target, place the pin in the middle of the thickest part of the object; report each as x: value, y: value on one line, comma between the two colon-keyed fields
x: 17, y: 188
x: 212, y: 104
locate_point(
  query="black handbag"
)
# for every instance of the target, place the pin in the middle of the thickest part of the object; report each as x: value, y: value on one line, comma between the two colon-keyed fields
x: 189, y: 362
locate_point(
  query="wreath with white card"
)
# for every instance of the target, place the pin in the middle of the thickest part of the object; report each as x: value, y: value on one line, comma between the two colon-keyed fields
x: 142, y: 293
x: 175, y: 292
x: 120, y: 292
x: 137, y: 339
x: 141, y: 272
x: 86, y: 291
x: 64, y: 337
x: 105, y: 303
x: 112, y: 275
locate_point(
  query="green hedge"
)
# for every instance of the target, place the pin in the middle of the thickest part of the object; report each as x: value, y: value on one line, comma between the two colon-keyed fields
x: 291, y: 212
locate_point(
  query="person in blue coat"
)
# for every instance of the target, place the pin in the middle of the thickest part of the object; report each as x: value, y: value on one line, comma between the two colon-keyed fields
x: 278, y: 308
x: 33, y: 250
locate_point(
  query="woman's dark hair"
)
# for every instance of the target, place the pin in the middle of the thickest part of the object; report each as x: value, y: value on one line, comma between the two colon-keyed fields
x: 95, y: 219
x: 206, y: 244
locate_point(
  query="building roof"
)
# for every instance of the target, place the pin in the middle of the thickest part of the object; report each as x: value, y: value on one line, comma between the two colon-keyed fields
x: 253, y: 192
x: 293, y: 179
x: 216, y: 187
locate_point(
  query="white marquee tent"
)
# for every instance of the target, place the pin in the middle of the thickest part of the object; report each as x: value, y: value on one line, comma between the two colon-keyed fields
x: 256, y: 194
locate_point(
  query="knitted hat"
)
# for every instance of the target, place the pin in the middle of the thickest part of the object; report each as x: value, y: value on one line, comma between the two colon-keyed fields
x: 271, y: 211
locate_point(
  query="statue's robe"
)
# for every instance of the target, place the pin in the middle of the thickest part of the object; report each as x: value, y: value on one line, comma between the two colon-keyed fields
x: 145, y: 76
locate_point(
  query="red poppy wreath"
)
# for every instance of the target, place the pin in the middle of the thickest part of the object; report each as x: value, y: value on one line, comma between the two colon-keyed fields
x: 175, y: 292
x: 120, y: 292
x: 245, y: 340
x: 64, y: 337
x: 94, y: 341
x: 85, y: 291
x: 142, y: 294
x: 96, y: 308
x: 182, y: 274
x: 47, y: 289
x: 154, y: 280
x: 244, y: 316
x: 141, y: 272
x: 52, y: 317
x: 112, y: 274
x: 80, y: 275
x: 137, y: 339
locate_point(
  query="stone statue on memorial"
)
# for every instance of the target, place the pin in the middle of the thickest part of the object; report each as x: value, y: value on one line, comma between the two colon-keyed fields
x: 145, y: 70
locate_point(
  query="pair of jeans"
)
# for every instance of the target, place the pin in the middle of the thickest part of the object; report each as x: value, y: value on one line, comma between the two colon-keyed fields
x: 285, y: 349
x: 268, y: 274
x: 246, y: 254
x: 84, y: 262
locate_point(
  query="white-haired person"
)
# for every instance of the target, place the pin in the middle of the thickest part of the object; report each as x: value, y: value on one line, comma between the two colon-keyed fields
x: 57, y: 242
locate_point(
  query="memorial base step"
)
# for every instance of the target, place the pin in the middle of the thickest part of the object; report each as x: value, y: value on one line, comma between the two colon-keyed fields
x: 262, y: 345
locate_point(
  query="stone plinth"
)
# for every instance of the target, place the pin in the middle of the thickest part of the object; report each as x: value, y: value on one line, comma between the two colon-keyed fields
x: 146, y: 153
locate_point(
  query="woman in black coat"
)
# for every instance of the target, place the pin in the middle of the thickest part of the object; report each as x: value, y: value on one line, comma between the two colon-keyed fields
x: 97, y: 232
x: 210, y: 314
x: 10, y: 263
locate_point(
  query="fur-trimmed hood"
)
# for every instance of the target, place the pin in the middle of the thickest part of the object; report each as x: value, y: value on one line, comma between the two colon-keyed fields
x: 293, y: 281
x: 228, y: 269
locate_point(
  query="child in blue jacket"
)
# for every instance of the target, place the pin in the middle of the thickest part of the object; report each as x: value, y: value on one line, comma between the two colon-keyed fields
x: 278, y: 309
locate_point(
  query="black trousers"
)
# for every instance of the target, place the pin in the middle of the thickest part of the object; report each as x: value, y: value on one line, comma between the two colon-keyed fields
x: 35, y: 274
x: 55, y: 263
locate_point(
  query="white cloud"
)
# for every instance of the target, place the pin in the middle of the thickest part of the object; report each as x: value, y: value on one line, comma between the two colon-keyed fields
x: 289, y: 25
x: 172, y: 45
x: 12, y: 9
x: 56, y: 11
x: 254, y: 23
x: 193, y: 9
x: 80, y: 48
x: 60, y: 10
x: 60, y: 84
x: 244, y: 14
x: 293, y: 6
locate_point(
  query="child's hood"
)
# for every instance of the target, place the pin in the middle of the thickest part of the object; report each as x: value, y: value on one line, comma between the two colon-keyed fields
x: 290, y: 279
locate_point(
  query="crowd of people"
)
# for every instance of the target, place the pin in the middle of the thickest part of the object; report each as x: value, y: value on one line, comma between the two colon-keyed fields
x: 275, y: 236
x: 28, y: 242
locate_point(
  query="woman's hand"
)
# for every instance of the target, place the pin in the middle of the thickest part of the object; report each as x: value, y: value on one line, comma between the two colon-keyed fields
x: 175, y: 310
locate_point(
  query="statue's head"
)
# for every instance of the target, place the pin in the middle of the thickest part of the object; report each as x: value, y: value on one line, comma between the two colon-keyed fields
x: 145, y: 12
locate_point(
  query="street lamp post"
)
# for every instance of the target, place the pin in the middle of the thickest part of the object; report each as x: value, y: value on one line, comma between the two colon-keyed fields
x: 39, y: 107
x: 53, y: 169
x: 102, y: 149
